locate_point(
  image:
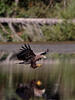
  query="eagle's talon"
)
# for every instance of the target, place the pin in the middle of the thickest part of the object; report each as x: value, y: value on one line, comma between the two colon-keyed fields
x: 38, y: 65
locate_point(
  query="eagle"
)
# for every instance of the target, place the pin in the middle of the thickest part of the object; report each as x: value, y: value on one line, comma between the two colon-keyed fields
x: 27, y: 56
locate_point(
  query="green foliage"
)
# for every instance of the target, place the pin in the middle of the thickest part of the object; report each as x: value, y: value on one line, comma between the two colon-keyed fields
x: 38, y: 11
x: 24, y: 37
x: 61, y: 56
x: 37, y: 8
x: 69, y: 12
x: 59, y: 32
x: 4, y: 57
x: 58, y: 10
x: 6, y: 36
x: 5, y: 9
x: 65, y: 12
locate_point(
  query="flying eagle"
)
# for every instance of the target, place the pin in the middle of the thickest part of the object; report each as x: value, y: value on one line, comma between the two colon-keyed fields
x: 27, y: 55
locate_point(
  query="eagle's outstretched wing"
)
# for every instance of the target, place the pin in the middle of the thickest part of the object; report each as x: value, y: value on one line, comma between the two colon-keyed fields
x: 26, y: 53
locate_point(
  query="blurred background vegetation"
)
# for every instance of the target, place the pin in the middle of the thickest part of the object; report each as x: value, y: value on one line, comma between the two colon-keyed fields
x: 39, y: 9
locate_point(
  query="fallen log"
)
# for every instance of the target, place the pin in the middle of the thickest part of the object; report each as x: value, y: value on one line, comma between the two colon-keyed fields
x: 40, y: 21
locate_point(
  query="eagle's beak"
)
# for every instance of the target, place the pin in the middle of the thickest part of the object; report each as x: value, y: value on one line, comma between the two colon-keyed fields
x: 39, y: 65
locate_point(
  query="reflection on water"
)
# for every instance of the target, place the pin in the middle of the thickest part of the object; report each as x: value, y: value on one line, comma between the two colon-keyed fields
x: 57, y: 81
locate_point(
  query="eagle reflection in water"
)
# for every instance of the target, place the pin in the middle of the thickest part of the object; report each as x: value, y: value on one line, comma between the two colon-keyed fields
x: 30, y: 90
x: 36, y: 88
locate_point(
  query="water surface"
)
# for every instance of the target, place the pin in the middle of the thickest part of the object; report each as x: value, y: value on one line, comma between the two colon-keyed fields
x: 54, y: 71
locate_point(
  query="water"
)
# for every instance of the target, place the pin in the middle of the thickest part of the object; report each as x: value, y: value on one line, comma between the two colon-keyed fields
x: 55, y: 75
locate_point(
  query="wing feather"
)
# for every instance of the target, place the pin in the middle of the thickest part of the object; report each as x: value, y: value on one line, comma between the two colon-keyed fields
x: 26, y: 53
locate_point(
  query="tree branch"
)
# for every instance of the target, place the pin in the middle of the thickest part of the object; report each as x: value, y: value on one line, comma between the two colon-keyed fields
x: 3, y: 28
x: 16, y: 37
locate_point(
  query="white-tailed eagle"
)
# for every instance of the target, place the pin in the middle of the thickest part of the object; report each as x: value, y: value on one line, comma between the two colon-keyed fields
x: 27, y: 55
